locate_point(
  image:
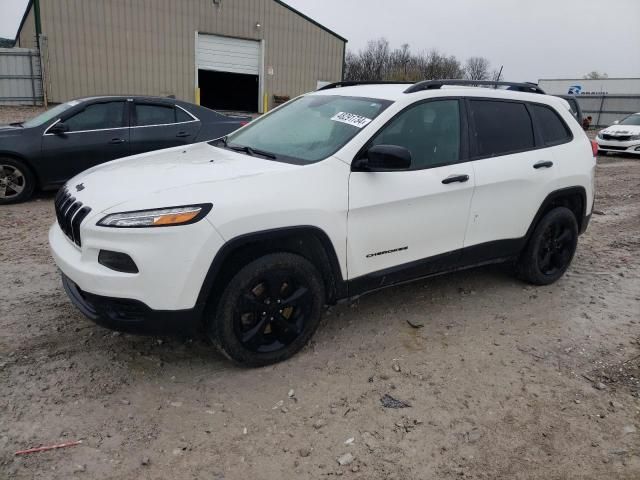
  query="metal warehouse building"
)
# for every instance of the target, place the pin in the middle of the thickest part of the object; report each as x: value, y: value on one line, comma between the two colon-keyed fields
x: 225, y: 54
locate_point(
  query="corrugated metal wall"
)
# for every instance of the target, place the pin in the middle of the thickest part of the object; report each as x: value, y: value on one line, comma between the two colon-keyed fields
x: 20, y: 81
x: 606, y: 109
x: 148, y: 46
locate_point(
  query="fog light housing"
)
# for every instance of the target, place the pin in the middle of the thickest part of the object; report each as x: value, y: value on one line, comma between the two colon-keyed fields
x: 120, y: 262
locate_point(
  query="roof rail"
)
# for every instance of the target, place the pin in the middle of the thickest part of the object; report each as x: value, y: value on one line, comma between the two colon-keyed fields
x: 436, y: 84
x: 365, y: 82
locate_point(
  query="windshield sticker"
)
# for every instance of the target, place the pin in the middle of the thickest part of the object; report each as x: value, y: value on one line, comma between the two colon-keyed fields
x: 351, y: 119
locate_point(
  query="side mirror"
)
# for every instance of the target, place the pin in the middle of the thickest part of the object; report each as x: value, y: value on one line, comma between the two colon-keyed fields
x: 616, y: 122
x: 385, y: 157
x: 59, y: 128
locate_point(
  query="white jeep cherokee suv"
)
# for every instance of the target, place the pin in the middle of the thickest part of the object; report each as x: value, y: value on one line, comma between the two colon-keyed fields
x: 338, y: 192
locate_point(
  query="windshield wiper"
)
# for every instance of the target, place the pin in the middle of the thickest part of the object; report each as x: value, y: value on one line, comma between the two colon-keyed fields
x: 242, y: 148
x: 251, y: 151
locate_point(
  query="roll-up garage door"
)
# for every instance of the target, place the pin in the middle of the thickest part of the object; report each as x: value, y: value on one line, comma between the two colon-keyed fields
x: 225, y: 54
x: 228, y: 73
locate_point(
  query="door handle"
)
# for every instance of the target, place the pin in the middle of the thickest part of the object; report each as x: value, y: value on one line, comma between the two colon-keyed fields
x: 183, y: 134
x: 543, y: 164
x: 115, y: 141
x: 455, y: 178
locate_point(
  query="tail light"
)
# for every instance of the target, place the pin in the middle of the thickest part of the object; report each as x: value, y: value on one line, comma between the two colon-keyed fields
x: 594, y: 148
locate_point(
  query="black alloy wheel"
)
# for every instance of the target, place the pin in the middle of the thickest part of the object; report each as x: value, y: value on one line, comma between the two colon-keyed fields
x: 551, y: 247
x: 556, y: 248
x: 271, y: 314
x: 268, y: 311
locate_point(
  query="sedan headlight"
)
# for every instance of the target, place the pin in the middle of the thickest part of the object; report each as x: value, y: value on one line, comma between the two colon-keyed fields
x: 161, y: 217
x: 634, y: 137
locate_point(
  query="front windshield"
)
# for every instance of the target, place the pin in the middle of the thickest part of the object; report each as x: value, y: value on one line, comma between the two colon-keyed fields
x: 309, y: 128
x: 49, y: 114
x: 631, y: 120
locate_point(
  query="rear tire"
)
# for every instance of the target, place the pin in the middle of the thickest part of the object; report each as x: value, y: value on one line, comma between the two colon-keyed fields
x: 269, y: 310
x: 551, y: 248
x: 17, y: 182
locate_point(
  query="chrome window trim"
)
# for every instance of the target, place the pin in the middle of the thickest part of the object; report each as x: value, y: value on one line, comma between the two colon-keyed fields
x: 47, y: 134
x: 195, y: 119
x: 165, y: 124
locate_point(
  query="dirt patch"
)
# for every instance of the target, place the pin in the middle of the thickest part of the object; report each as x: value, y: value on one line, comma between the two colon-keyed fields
x: 501, y: 382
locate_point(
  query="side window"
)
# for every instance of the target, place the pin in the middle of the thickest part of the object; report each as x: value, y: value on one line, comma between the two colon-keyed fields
x: 182, y: 116
x: 551, y: 126
x: 98, y: 116
x: 501, y: 127
x: 431, y: 132
x: 147, y: 114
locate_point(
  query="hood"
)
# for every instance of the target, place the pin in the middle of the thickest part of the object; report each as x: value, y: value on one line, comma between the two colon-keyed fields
x: 622, y: 130
x: 10, y: 130
x: 140, y: 176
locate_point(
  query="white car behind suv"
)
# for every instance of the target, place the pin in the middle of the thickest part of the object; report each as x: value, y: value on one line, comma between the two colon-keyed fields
x: 336, y: 193
x: 622, y: 137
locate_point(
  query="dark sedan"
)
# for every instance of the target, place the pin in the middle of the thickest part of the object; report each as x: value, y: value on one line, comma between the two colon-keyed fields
x: 49, y: 149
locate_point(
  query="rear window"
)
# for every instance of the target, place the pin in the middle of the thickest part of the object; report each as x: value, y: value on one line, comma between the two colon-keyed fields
x: 551, y: 126
x: 147, y: 115
x: 501, y: 127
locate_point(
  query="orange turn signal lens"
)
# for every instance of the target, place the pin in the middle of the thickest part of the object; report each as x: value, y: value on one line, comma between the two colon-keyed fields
x: 175, y: 218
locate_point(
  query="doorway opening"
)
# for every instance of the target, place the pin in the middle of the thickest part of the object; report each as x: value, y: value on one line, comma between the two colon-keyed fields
x: 229, y: 91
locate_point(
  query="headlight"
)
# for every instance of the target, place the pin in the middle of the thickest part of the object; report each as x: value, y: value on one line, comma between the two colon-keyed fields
x: 599, y: 135
x: 634, y: 137
x: 161, y: 217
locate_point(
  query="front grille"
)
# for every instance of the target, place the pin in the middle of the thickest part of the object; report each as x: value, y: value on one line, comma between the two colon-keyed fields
x: 70, y: 215
x: 618, y: 138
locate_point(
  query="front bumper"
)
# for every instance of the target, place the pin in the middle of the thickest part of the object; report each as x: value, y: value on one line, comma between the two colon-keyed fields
x: 631, y: 146
x: 173, y: 262
x: 131, y: 316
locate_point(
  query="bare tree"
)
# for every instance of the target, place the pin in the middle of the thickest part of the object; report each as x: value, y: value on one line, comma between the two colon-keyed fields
x: 595, y: 75
x: 477, y: 68
x: 378, y: 62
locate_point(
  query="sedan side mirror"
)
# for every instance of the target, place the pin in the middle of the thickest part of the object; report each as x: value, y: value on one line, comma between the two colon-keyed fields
x: 384, y: 157
x: 616, y: 122
x: 59, y: 128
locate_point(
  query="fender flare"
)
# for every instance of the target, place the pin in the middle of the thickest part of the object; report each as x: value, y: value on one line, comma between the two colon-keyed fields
x: 231, y: 246
x: 552, y: 197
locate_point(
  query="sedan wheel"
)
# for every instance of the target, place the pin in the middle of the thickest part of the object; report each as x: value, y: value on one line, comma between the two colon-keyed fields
x: 16, y: 181
x: 12, y: 182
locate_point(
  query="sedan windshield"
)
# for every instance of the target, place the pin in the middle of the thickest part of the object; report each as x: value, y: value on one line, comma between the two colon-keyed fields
x: 49, y: 114
x: 307, y: 129
x: 631, y: 120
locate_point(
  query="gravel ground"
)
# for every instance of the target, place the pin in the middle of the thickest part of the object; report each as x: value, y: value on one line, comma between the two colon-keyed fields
x: 18, y: 114
x: 504, y: 380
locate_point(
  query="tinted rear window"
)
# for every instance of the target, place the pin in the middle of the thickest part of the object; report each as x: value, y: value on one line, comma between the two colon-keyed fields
x: 501, y: 127
x: 154, y: 115
x: 553, y: 129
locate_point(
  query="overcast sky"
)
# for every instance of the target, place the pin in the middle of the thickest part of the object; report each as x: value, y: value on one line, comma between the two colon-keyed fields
x: 533, y: 40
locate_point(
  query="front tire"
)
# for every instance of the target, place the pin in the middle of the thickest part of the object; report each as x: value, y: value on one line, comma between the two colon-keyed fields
x: 17, y: 182
x: 269, y: 310
x: 551, y: 247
